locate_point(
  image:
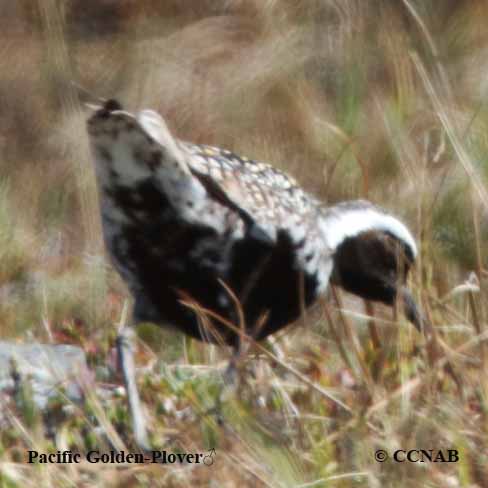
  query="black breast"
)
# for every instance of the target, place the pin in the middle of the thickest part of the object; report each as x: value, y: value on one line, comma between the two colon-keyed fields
x: 165, y: 259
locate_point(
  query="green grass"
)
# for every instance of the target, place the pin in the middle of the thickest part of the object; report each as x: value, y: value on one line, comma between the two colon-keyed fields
x: 356, y: 99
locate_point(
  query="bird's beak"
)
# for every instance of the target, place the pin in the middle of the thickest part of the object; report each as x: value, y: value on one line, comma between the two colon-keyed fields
x: 412, y: 311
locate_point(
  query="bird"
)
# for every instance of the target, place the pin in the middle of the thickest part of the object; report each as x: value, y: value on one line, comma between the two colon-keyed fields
x: 239, y: 239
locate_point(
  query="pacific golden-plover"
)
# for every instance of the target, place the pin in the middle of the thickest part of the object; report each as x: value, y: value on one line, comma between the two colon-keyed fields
x: 184, y: 222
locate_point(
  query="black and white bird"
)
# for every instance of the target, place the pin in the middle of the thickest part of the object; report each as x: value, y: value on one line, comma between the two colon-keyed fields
x: 184, y: 221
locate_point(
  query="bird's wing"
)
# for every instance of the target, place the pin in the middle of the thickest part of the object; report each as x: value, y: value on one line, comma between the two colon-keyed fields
x: 264, y: 192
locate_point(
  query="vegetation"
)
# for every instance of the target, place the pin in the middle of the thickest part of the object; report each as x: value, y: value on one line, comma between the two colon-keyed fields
x: 355, y: 98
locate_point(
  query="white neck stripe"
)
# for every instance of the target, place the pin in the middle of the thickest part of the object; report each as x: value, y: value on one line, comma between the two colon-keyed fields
x: 341, y: 222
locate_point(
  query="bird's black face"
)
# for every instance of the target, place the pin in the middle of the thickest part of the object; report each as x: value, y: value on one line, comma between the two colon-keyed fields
x: 374, y: 265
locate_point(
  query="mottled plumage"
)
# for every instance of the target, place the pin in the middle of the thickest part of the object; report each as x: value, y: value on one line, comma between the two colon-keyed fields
x: 181, y: 219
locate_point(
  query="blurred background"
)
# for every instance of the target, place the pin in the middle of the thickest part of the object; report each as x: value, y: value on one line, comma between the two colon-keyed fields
x: 356, y: 99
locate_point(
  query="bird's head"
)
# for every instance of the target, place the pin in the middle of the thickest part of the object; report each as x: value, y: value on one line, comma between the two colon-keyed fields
x: 372, y: 254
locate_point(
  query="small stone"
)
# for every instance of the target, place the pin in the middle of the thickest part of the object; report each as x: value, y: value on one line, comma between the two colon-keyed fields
x: 47, y: 367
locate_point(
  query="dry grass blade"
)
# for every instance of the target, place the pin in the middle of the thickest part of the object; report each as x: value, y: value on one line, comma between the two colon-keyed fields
x: 269, y: 354
x: 451, y: 132
x: 354, y: 342
x: 417, y: 382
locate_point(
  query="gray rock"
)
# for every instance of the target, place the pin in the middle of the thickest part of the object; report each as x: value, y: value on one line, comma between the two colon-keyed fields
x: 47, y: 367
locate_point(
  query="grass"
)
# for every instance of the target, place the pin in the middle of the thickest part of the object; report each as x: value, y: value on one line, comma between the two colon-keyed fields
x: 356, y: 99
